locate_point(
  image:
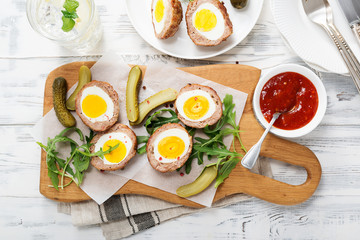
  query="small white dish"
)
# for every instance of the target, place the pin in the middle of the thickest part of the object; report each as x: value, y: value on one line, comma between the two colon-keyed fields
x: 322, y: 97
x: 180, y: 45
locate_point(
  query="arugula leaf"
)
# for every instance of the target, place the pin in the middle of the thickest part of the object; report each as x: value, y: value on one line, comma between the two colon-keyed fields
x: 80, y: 156
x: 155, y: 121
x: 225, y: 170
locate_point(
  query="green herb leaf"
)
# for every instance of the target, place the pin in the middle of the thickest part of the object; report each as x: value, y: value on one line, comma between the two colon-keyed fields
x: 71, y: 5
x: 142, y: 139
x: 53, y: 172
x: 68, y: 24
x: 141, y: 150
x: 226, y: 169
x: 155, y: 121
x: 67, y: 14
x: 80, y: 156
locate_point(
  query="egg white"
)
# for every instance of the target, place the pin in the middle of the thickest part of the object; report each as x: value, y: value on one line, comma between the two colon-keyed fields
x: 115, y: 135
x: 93, y: 90
x: 159, y: 26
x: 171, y: 132
x: 219, y: 29
x: 183, y: 97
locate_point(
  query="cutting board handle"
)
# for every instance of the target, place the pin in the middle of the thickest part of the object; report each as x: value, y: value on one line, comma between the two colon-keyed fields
x: 272, y: 190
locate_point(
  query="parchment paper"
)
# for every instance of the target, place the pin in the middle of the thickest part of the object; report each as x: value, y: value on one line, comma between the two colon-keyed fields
x: 157, y: 77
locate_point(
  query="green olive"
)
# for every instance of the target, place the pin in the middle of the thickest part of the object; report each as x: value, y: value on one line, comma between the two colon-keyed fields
x: 153, y: 102
x: 59, y: 88
x: 207, y: 176
x: 238, y: 3
x: 84, y: 78
x: 132, y: 89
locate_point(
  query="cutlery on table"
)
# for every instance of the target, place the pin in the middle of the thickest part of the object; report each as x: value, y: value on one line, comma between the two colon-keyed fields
x: 319, y: 11
x: 351, y: 9
x: 252, y: 155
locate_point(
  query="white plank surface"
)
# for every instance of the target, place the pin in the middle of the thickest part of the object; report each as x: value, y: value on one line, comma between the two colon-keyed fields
x: 26, y: 59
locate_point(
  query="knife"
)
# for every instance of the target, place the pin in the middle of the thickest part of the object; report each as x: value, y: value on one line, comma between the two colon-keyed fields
x: 351, y: 9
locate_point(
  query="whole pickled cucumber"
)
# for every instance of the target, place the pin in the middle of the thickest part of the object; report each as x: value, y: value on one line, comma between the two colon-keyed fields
x: 59, y: 95
x: 132, y: 89
x: 84, y: 78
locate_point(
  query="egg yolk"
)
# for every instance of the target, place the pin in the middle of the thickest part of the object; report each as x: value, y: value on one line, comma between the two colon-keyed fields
x: 205, y: 20
x: 159, y: 10
x: 93, y: 106
x: 171, y: 147
x: 116, y: 155
x: 196, y: 107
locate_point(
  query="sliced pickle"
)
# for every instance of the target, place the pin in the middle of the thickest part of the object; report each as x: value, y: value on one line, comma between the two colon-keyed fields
x: 84, y: 78
x: 207, y: 176
x: 153, y: 102
x: 132, y: 89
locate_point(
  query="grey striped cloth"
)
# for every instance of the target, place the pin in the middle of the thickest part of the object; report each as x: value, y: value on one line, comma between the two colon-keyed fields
x: 124, y: 215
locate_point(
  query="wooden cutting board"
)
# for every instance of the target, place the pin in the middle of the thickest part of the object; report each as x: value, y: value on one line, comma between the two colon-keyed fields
x: 241, y: 180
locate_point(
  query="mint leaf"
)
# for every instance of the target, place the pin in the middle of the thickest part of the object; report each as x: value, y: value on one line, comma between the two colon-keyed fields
x: 71, y: 5
x: 68, y: 24
x: 69, y: 14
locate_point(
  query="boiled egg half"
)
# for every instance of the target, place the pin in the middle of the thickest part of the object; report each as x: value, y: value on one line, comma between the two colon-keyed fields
x: 198, y: 106
x: 97, y: 104
x: 209, y: 21
x: 120, y: 135
x: 169, y: 147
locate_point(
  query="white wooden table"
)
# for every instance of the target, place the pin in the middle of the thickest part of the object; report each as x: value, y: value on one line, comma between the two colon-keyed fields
x: 26, y: 59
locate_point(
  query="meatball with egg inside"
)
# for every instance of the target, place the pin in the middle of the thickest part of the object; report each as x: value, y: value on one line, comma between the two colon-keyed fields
x: 169, y: 147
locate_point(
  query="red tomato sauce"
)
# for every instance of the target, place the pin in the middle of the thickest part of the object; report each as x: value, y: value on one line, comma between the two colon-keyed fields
x: 292, y: 92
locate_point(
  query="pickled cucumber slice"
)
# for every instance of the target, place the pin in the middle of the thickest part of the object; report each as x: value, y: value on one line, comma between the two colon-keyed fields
x: 84, y: 78
x: 59, y: 88
x: 132, y: 89
x: 200, y: 184
x: 153, y: 102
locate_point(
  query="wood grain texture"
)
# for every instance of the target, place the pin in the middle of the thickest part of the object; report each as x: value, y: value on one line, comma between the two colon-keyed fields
x: 241, y: 180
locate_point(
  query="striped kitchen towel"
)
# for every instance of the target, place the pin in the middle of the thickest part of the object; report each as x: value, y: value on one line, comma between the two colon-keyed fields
x: 124, y: 215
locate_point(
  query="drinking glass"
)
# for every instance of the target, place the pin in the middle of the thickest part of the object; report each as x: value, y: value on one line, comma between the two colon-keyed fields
x: 45, y: 17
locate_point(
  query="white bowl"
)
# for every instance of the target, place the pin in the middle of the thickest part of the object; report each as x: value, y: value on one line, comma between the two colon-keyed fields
x: 321, y: 96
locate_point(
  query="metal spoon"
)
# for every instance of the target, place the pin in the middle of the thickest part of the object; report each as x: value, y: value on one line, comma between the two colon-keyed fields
x: 252, y: 155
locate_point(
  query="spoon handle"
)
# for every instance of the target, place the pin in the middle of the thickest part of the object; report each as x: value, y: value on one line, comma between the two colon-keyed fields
x: 252, y: 155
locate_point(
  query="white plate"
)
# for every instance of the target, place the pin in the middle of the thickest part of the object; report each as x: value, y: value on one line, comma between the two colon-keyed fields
x: 180, y: 45
x: 309, y: 40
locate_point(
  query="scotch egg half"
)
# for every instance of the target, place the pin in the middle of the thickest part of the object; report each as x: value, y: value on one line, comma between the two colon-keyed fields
x: 97, y: 104
x: 166, y: 17
x: 197, y: 106
x: 120, y: 135
x: 169, y: 147
x: 208, y: 22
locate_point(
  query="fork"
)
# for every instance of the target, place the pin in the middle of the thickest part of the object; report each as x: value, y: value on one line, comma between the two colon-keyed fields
x: 320, y: 12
